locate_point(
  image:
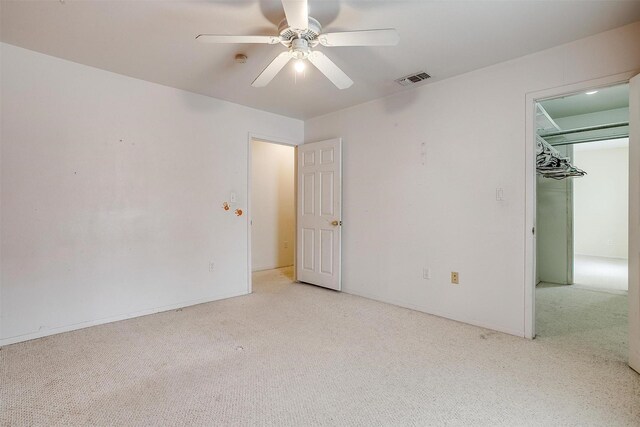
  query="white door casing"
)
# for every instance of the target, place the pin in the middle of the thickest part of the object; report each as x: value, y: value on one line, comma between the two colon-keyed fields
x: 634, y: 223
x: 319, y: 213
x: 530, y: 185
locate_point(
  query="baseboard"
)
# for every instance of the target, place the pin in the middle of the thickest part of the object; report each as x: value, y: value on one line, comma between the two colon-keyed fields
x: 604, y: 256
x: 438, y: 313
x: 259, y: 269
x: 88, y: 324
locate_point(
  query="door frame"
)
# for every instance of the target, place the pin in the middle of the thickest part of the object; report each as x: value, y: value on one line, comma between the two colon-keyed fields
x: 278, y: 141
x: 530, y: 182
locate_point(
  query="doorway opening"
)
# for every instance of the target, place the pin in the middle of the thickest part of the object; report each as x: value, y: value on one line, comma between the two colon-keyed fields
x: 601, y: 230
x: 582, y: 223
x: 273, y: 213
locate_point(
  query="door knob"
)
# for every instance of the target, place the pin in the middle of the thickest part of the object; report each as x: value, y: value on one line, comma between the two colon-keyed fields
x: 336, y: 223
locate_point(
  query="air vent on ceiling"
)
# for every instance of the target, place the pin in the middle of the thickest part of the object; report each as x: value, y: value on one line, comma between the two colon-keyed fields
x: 412, y: 79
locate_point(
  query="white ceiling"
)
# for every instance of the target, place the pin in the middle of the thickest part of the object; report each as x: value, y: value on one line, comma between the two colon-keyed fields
x: 154, y: 41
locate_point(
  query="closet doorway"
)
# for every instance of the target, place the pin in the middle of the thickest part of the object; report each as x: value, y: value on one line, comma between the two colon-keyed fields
x: 272, y: 226
x: 601, y: 216
x: 582, y: 222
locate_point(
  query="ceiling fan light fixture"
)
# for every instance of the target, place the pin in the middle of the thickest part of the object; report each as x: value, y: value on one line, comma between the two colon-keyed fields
x: 299, y: 66
x: 299, y: 49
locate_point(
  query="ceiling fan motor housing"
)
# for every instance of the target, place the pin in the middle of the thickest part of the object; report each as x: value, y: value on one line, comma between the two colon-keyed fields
x: 288, y: 34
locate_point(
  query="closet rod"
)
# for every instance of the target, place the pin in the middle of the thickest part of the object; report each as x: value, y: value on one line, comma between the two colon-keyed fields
x: 594, y: 139
x: 586, y: 129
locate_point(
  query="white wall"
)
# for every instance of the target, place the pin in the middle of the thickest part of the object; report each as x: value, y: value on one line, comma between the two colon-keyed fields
x: 272, y: 205
x: 601, y: 202
x: 111, y: 189
x: 401, y: 215
x: 112, y: 192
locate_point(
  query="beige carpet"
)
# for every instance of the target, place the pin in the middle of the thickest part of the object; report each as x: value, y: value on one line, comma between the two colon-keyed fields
x: 577, y: 319
x: 293, y: 354
x: 601, y: 273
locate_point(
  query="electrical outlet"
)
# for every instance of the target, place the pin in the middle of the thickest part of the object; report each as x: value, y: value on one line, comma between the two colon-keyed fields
x: 212, y: 266
x: 426, y: 273
x: 455, y: 278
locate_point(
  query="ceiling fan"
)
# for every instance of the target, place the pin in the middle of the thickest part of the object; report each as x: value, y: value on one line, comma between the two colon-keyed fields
x: 299, y: 33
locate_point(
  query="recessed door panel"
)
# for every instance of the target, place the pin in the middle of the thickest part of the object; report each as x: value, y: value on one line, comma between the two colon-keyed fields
x: 326, y: 251
x: 308, y: 249
x: 327, y: 198
x: 309, y: 158
x: 326, y: 156
x: 308, y: 193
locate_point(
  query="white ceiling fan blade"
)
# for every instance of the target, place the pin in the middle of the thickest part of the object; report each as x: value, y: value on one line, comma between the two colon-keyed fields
x: 215, y: 38
x: 297, y: 13
x: 272, y: 69
x: 385, y: 37
x: 329, y: 69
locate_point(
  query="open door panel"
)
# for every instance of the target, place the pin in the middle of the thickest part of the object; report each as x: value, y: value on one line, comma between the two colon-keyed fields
x: 319, y: 213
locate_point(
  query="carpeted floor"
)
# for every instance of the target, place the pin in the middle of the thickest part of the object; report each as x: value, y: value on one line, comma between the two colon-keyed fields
x: 577, y: 319
x: 601, y: 273
x: 293, y: 354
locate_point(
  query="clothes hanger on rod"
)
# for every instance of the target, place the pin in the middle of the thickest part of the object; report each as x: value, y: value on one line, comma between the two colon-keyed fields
x: 551, y: 164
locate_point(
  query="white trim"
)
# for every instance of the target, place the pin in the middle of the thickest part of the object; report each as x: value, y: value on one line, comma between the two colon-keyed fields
x: 271, y: 140
x: 82, y: 325
x: 530, y: 182
x: 634, y: 224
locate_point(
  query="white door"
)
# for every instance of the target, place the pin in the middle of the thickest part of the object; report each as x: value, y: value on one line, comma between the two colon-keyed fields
x: 634, y: 223
x: 319, y: 213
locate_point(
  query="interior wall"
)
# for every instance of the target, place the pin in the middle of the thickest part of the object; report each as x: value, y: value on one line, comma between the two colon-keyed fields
x: 272, y: 205
x: 554, y: 227
x: 601, y: 200
x: 421, y: 174
x: 112, y: 192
